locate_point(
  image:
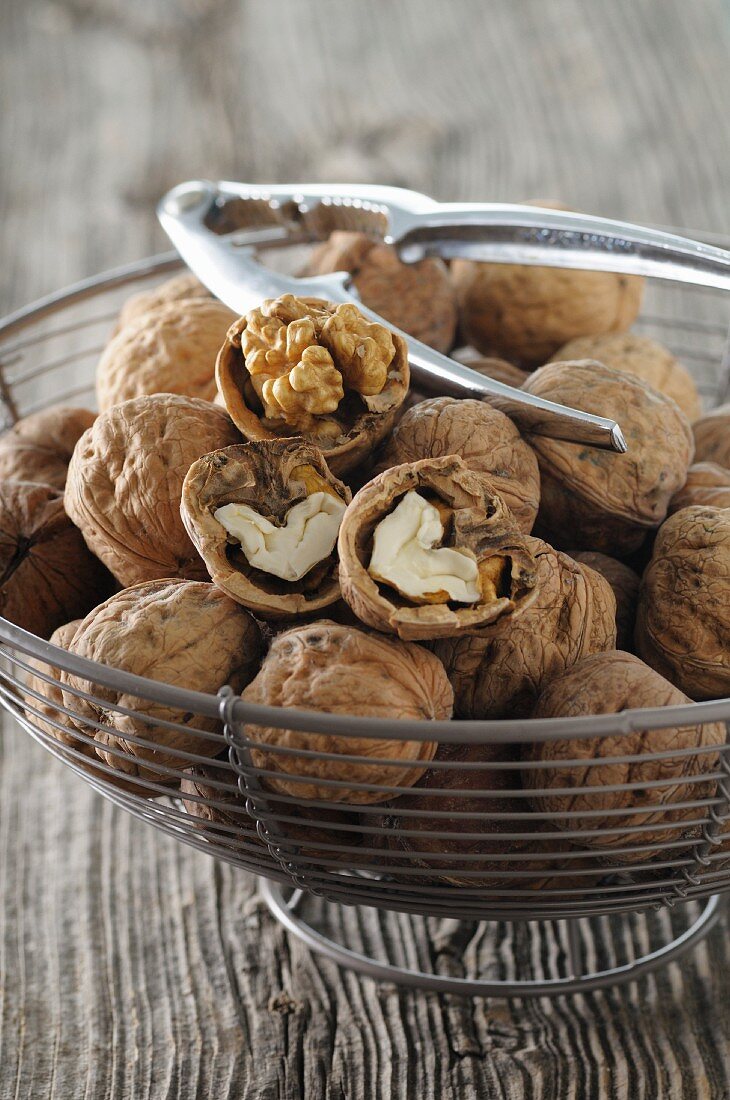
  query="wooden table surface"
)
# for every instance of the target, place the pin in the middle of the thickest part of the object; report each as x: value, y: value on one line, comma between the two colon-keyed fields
x: 130, y: 965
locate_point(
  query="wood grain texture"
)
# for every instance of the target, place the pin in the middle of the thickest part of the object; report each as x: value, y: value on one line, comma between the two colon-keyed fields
x: 131, y: 966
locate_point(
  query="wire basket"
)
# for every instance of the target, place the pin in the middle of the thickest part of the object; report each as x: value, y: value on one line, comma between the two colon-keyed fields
x: 480, y: 853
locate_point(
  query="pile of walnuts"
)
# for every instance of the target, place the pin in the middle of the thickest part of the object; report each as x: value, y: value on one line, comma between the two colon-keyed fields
x: 263, y: 503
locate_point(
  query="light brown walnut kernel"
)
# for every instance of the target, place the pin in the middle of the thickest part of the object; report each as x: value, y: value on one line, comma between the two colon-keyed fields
x: 707, y: 484
x: 625, y: 584
x: 712, y: 437
x: 362, y: 349
x: 339, y: 670
x: 39, y: 447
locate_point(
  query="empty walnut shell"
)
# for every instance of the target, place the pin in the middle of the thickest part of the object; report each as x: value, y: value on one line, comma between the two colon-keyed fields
x: 486, y: 440
x: 47, y: 575
x: 607, y: 683
x: 599, y: 500
x: 480, y: 523
x: 345, y: 436
x: 340, y: 670
x: 683, y: 621
x: 171, y: 349
x: 499, y: 671
x: 39, y: 447
x: 271, y: 476
x: 707, y: 484
x: 179, y: 287
x: 625, y: 584
x: 417, y: 298
x: 125, y: 482
x: 712, y: 437
x: 185, y: 633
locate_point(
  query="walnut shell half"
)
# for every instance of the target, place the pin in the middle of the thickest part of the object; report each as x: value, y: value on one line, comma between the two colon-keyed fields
x: 39, y: 447
x: 683, y: 621
x: 599, y: 500
x: 125, y: 482
x: 712, y: 436
x: 477, y: 522
x: 314, y: 400
x: 625, y: 584
x: 340, y: 670
x: 707, y: 484
x: 486, y: 440
x: 271, y: 476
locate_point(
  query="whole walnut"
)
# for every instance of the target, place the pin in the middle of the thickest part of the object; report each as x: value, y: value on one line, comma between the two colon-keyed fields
x: 608, y: 683
x: 484, y: 438
x: 185, y: 633
x: 171, y: 349
x: 47, y: 575
x: 599, y: 500
x: 712, y: 436
x: 417, y: 298
x: 339, y: 670
x: 125, y: 482
x: 498, y: 671
x: 625, y: 584
x: 645, y: 358
x: 683, y: 620
x: 706, y: 484
x: 39, y: 447
x: 180, y: 287
x: 499, y: 369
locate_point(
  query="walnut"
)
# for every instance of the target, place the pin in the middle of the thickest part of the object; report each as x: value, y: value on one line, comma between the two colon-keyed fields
x: 47, y: 576
x: 625, y: 584
x: 125, y: 482
x: 683, y: 621
x: 180, y: 287
x: 185, y: 633
x: 340, y: 670
x: 264, y: 517
x: 39, y: 447
x: 706, y: 484
x: 486, y: 440
x: 169, y: 350
x: 599, y: 500
x: 712, y: 437
x: 429, y: 550
x: 608, y: 683
x: 417, y: 298
x: 499, y: 369
x: 640, y: 356
x: 499, y: 670
x: 308, y: 367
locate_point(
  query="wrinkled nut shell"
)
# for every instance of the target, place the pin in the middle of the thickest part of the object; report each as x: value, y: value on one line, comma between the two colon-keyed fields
x: 125, y: 483
x: 599, y: 500
x: 683, y: 621
x: 486, y: 440
x: 707, y: 485
x: 608, y: 683
x: 39, y: 447
x: 625, y: 584
x: 184, y: 633
x: 499, y: 369
x: 47, y: 575
x: 172, y: 349
x: 642, y: 357
x: 481, y: 523
x: 261, y: 475
x: 712, y: 437
x: 499, y: 671
x: 339, y: 670
x: 373, y: 417
x: 179, y: 287
x: 417, y: 298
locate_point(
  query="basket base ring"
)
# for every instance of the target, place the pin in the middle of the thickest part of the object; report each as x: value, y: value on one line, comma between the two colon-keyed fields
x: 284, y: 908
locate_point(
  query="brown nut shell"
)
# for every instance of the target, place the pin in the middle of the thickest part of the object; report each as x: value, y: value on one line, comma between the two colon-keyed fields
x: 707, y: 484
x: 481, y: 524
x: 47, y: 575
x: 607, y: 683
x: 712, y: 436
x: 172, y: 349
x: 185, y: 633
x: 486, y: 440
x: 625, y: 584
x: 360, y: 422
x: 39, y: 447
x: 339, y: 670
x: 683, y: 621
x: 180, y: 287
x: 417, y: 298
x: 125, y: 482
x: 266, y: 475
x: 599, y: 500
x: 499, y: 671
x: 501, y: 370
